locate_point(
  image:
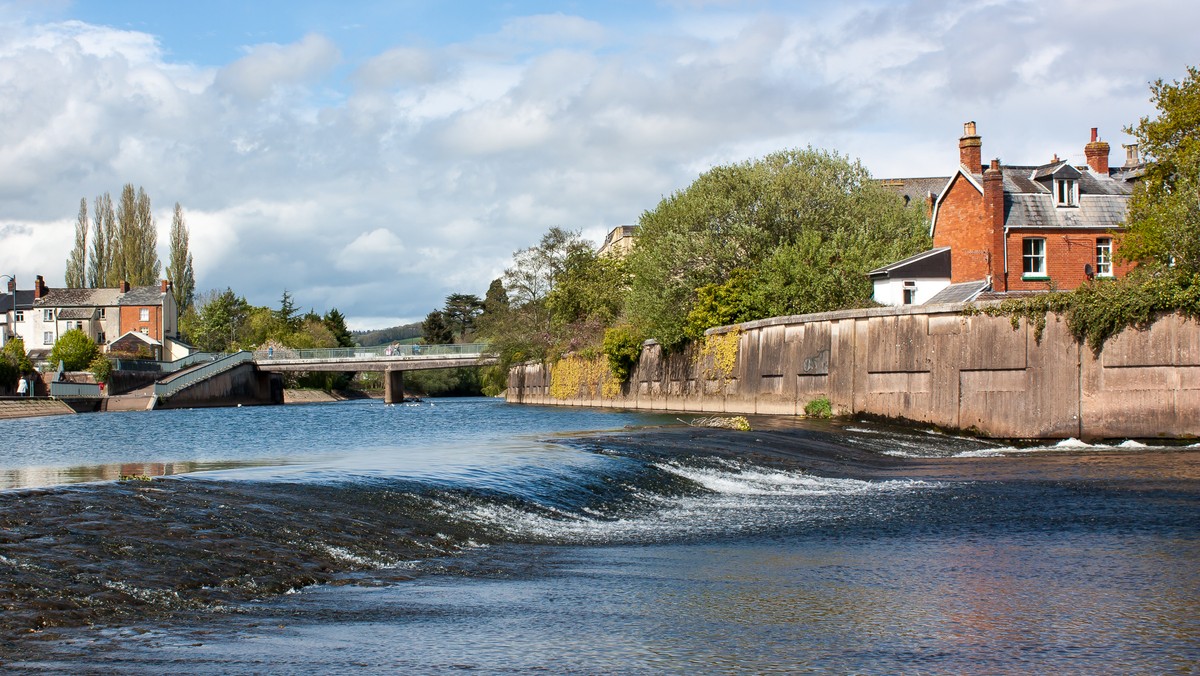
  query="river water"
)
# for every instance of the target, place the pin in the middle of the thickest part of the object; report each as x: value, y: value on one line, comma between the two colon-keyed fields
x: 469, y: 534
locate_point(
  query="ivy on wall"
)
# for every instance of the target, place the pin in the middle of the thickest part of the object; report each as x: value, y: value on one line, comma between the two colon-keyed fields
x: 717, y: 355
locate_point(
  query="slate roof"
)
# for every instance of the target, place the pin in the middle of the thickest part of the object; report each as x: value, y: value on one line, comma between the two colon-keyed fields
x: 77, y: 313
x: 143, y: 295
x: 916, y: 188
x: 932, y: 263
x: 139, y: 336
x: 962, y: 292
x: 78, y: 298
x: 6, y: 302
x: 106, y: 297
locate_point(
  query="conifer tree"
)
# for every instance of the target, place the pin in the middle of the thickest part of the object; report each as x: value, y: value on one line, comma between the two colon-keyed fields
x: 77, y: 262
x: 179, y: 270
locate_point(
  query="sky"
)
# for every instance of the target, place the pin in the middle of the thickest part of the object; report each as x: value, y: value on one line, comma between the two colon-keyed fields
x: 377, y: 156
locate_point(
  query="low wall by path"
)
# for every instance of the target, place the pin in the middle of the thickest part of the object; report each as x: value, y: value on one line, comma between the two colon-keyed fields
x: 933, y: 365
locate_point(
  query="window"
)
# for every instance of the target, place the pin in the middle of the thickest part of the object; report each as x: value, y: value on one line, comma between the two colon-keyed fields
x: 79, y: 326
x: 48, y: 338
x: 910, y: 292
x: 47, y: 315
x: 145, y: 314
x: 100, y: 338
x: 18, y: 315
x: 1104, y: 257
x: 144, y: 330
x: 1066, y: 192
x: 101, y: 313
x: 1034, y: 257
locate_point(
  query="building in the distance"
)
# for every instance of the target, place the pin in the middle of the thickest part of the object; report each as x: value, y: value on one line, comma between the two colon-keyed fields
x: 1017, y: 228
x: 619, y: 242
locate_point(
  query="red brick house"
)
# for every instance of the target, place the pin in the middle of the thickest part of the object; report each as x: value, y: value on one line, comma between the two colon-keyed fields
x: 1029, y: 227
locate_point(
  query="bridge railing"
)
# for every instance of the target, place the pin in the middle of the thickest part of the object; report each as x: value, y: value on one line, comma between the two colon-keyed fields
x: 376, y: 352
x: 164, y: 366
x: 74, y: 390
x: 183, y: 379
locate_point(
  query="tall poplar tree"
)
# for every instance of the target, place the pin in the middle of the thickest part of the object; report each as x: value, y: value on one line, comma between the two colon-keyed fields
x: 146, y: 267
x: 121, y: 251
x: 77, y: 262
x: 103, y: 236
x: 179, y: 269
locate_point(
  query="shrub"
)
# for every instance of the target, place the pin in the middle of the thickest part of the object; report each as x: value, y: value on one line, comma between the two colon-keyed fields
x: 818, y: 408
x: 101, y: 368
x: 74, y: 349
x: 623, y: 347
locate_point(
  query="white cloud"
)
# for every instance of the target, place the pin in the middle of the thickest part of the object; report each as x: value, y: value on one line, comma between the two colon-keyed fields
x: 421, y: 167
x: 267, y: 67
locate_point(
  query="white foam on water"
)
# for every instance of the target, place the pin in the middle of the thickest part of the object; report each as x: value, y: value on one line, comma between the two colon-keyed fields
x: 1131, y: 444
x: 343, y: 554
x: 734, y: 501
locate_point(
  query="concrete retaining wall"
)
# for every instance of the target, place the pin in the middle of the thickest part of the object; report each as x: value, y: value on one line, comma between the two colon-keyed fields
x: 243, y: 384
x: 932, y: 365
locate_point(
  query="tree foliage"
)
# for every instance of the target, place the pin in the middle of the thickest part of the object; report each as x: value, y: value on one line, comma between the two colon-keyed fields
x: 74, y: 349
x: 13, y: 362
x: 460, y: 312
x: 103, y: 242
x: 1163, y: 225
x: 435, y: 330
x: 179, y: 269
x: 76, y: 274
x: 336, y: 323
x: 806, y: 224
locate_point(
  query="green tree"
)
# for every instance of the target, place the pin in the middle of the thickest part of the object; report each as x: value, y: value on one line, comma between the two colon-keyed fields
x: 1163, y: 223
x: 460, y: 312
x: 435, y: 330
x: 74, y: 349
x: 220, y: 318
x: 76, y: 274
x: 103, y: 242
x: 179, y: 270
x: 807, y: 207
x: 336, y: 323
x: 134, y: 255
x: 287, y: 314
x: 13, y: 362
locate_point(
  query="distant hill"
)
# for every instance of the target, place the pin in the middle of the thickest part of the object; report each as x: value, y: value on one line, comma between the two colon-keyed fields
x: 397, y: 334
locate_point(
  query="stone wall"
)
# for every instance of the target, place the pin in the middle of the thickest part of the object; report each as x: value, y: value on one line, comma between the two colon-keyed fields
x: 932, y: 365
x: 243, y: 384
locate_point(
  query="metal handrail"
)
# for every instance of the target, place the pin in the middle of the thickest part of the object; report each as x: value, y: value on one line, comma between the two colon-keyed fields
x: 184, y: 379
x: 75, y: 390
x: 330, y: 353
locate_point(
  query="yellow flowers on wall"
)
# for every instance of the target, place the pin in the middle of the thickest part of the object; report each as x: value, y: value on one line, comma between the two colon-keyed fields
x: 718, y: 355
x: 575, y: 376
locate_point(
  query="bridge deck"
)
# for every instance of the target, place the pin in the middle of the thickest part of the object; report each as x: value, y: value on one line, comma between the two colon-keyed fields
x: 381, y: 358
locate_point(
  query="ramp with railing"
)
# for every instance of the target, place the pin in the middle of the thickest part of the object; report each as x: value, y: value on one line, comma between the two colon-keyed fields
x: 378, y: 358
x: 186, y: 378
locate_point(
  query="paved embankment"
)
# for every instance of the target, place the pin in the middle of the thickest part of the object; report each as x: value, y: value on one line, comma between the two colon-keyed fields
x: 316, y: 396
x: 16, y: 407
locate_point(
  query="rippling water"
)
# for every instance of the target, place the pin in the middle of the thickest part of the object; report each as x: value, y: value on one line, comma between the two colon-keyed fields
x: 470, y: 534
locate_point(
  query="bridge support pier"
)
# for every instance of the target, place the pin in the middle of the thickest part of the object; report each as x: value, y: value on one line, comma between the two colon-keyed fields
x: 393, y: 387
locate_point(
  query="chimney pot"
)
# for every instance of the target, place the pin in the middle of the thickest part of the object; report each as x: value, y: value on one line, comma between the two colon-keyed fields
x: 1131, y: 156
x: 39, y: 287
x: 1097, y: 154
x: 12, y: 284
x: 970, y: 148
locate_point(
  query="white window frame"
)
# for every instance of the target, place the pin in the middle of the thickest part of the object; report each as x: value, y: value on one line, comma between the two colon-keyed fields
x: 145, y: 314
x: 1104, y: 257
x: 1033, y: 258
x: 18, y: 316
x: 908, y: 294
x: 48, y: 315
x: 47, y: 337
x: 1066, y: 192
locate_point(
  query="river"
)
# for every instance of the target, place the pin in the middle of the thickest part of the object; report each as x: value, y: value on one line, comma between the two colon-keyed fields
x: 468, y: 534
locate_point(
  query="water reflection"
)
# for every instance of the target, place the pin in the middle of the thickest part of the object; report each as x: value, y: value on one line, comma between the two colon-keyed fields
x: 40, y: 477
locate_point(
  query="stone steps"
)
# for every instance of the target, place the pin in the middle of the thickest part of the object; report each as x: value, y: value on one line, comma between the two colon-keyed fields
x: 22, y: 407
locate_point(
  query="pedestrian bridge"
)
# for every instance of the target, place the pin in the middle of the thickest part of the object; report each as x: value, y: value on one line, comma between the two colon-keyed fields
x: 393, y: 360
x: 379, y: 358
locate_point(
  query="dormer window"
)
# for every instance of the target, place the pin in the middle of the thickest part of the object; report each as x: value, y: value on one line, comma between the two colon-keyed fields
x: 1066, y: 192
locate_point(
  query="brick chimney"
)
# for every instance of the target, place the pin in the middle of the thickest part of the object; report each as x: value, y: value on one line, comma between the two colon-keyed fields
x: 970, y: 148
x: 124, y: 286
x: 12, y: 284
x: 39, y: 287
x: 1097, y: 154
x: 164, y: 285
x: 993, y: 209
